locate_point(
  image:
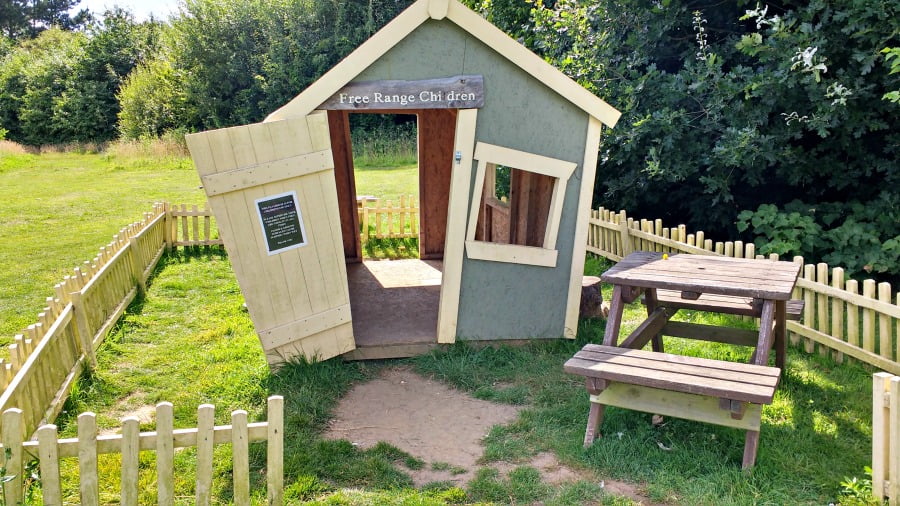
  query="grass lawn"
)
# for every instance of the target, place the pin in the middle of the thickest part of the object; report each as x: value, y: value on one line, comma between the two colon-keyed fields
x: 58, y: 209
x: 189, y: 341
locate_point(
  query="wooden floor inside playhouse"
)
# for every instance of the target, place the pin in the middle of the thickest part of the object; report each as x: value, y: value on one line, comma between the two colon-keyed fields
x: 394, y: 305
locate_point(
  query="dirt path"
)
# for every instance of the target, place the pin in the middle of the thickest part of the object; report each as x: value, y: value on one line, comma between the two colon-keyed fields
x: 441, y: 426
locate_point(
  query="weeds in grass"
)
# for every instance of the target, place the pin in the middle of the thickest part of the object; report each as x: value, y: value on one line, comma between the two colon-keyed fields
x: 387, y: 145
x: 395, y: 248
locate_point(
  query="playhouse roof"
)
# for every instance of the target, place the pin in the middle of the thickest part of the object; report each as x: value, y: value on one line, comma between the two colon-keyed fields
x: 410, y: 19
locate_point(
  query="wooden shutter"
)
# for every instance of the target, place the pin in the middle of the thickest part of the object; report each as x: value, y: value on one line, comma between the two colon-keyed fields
x: 297, y: 298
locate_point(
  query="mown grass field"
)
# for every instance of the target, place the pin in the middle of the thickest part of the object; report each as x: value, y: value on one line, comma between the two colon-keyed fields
x: 189, y: 342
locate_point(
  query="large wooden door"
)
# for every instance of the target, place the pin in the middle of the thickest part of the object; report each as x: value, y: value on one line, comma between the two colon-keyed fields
x: 293, y: 277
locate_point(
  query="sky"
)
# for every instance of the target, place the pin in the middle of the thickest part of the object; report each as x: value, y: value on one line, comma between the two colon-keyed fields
x: 161, y: 9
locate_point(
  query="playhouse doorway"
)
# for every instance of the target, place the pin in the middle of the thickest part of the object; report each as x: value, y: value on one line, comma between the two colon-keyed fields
x: 395, y: 303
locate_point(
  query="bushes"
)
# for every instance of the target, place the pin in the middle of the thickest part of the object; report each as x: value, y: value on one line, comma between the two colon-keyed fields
x: 728, y: 108
x: 61, y: 86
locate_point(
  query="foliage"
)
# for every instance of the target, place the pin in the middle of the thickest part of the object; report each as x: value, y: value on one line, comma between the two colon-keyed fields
x: 864, y: 238
x: 61, y: 86
x: 892, y: 57
x: 858, y: 492
x: 240, y: 60
x: 27, y: 18
x: 726, y: 108
x: 152, y: 100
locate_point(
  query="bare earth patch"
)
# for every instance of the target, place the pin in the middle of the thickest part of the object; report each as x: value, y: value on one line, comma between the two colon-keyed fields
x: 443, y: 427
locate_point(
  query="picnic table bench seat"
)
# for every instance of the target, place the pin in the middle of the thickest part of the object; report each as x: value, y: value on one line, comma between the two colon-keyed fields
x: 731, y: 304
x: 712, y: 391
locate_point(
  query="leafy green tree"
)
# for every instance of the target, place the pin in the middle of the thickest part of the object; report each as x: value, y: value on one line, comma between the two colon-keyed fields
x: 31, y: 78
x: 88, y: 108
x: 27, y: 18
x: 153, y: 101
x: 726, y: 108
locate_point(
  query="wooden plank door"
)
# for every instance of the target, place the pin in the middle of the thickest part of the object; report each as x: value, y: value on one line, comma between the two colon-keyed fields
x: 294, y: 282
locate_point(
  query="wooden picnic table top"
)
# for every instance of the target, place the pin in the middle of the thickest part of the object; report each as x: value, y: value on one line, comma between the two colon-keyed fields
x: 744, y: 277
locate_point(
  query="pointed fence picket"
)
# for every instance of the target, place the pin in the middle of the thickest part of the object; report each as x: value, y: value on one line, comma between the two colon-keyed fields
x: 49, y: 450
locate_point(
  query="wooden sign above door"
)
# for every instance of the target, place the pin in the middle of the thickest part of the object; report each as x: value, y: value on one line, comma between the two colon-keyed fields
x: 458, y: 92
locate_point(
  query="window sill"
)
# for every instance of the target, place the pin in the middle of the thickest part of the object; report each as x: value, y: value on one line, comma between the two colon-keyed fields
x: 511, y: 253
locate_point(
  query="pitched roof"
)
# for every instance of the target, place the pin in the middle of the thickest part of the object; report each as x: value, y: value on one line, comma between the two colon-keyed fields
x: 410, y: 19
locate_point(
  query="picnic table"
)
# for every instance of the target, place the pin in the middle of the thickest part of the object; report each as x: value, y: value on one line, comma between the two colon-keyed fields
x: 620, y: 373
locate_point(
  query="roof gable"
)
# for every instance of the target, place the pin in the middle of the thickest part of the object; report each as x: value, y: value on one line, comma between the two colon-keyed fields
x: 410, y: 19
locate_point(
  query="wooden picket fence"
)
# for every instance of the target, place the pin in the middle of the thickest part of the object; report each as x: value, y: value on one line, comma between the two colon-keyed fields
x: 384, y: 220
x: 886, y: 437
x: 48, y: 357
x: 129, y: 442
x: 189, y: 226
x: 837, y: 319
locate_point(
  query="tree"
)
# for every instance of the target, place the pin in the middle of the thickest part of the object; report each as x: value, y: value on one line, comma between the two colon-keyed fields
x: 27, y: 18
x: 727, y: 108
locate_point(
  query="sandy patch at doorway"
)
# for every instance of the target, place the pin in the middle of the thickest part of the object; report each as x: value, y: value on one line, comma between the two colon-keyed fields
x: 442, y: 426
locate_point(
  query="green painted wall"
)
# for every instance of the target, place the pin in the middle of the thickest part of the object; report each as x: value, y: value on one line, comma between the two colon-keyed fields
x: 501, y: 300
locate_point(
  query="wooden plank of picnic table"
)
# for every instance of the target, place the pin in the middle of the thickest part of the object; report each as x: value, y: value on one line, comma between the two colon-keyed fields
x: 765, y: 279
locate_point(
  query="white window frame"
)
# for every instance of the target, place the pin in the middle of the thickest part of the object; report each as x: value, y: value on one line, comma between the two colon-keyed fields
x: 560, y: 170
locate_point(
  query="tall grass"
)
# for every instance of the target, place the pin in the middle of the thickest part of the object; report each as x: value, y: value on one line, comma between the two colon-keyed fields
x: 384, y: 144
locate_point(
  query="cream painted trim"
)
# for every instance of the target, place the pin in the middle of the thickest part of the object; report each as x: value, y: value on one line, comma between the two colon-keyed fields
x: 460, y: 179
x: 437, y: 9
x: 561, y: 170
x: 588, y: 173
x: 268, y: 172
x: 357, y: 61
x: 523, y: 160
x: 511, y: 253
x: 478, y: 27
x: 475, y: 205
x: 531, y: 63
x: 305, y: 327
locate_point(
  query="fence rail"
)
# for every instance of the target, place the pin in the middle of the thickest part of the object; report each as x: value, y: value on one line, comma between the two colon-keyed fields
x: 48, y: 357
x: 384, y: 220
x: 129, y: 442
x: 886, y: 437
x: 838, y: 319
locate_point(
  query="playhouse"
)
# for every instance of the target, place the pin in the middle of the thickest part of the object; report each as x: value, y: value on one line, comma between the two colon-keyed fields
x: 491, y: 267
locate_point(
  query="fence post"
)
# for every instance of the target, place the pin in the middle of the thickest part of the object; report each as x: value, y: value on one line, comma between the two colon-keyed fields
x: 894, y: 446
x: 206, y: 414
x: 165, y: 454
x: 49, y: 453
x: 137, y: 266
x: 167, y: 227
x: 275, y: 450
x: 89, y: 485
x: 11, y: 458
x: 627, y: 246
x: 84, y: 329
x: 240, y: 458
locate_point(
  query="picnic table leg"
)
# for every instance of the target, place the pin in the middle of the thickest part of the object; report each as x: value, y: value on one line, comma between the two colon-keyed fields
x: 650, y: 299
x: 614, y: 321
x: 751, y: 443
x: 766, y: 334
x: 780, y: 333
x: 595, y: 415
